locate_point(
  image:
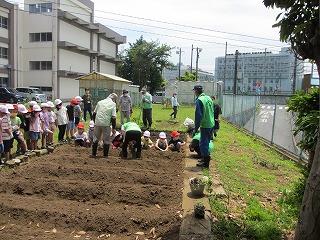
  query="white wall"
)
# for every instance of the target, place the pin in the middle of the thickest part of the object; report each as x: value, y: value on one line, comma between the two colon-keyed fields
x: 108, y: 48
x: 74, y: 35
x: 95, y: 42
x: 107, y: 67
x: 37, y: 78
x: 76, y: 8
x: 74, y: 62
x: 68, y: 88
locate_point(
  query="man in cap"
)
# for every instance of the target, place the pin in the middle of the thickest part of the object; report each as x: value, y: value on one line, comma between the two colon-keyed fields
x: 146, y: 108
x: 87, y: 104
x: 204, y: 120
x: 104, y: 116
x: 125, y: 106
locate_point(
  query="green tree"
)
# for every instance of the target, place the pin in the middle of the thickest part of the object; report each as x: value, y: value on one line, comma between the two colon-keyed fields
x: 188, y: 77
x: 143, y: 62
x: 299, y: 25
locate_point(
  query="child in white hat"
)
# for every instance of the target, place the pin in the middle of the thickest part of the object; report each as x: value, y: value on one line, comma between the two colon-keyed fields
x: 35, y: 127
x: 146, y: 142
x: 6, y: 133
x: 52, y: 122
x: 162, y: 143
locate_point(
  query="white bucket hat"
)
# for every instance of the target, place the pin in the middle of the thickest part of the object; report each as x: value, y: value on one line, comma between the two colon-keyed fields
x: 32, y: 103
x: 162, y: 135
x: 22, y: 108
x: 57, y: 102
x: 44, y: 105
x: 50, y: 104
x: 146, y: 133
x: 36, y: 108
x: 4, y: 109
x: 91, y: 124
x: 10, y: 106
x: 78, y: 98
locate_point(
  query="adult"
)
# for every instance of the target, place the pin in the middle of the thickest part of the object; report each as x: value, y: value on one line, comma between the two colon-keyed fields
x: 204, y: 119
x: 131, y: 133
x: 174, y: 104
x: 217, y: 111
x: 125, y: 104
x: 194, y: 145
x: 87, y: 104
x: 146, y: 109
x: 104, y: 116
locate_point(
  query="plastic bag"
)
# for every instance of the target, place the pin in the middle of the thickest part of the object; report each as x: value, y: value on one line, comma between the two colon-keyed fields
x: 189, y: 123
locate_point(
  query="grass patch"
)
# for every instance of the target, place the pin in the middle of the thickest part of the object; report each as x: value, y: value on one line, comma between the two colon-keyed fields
x: 264, y: 188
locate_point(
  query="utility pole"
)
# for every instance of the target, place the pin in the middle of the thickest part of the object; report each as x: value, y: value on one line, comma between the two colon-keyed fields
x: 179, y: 52
x: 294, y: 75
x: 235, y: 73
x: 225, y: 68
x: 265, y: 70
x: 197, y: 62
x: 191, y: 58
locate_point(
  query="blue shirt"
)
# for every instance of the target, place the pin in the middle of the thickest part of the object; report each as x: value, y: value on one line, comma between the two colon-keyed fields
x: 174, y: 102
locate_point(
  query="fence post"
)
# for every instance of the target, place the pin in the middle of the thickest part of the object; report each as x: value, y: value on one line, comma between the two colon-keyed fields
x: 274, y: 118
x: 233, y: 108
x: 254, y: 114
x: 241, y: 111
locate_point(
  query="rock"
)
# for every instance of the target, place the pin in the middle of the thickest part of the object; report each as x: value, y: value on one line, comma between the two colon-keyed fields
x: 81, y: 233
x: 139, y: 233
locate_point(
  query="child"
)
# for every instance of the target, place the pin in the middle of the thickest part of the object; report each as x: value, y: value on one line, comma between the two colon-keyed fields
x: 146, y: 142
x: 35, y: 127
x: 44, y: 117
x: 7, y: 136
x: 77, y: 110
x: 17, y: 135
x: 71, y: 124
x: 175, y: 142
x: 52, y: 123
x: 62, y: 119
x: 81, y: 137
x: 162, y: 143
x: 91, y: 131
x: 117, y: 140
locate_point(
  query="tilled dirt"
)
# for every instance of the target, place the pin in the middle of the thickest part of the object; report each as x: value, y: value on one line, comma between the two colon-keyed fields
x: 67, y: 195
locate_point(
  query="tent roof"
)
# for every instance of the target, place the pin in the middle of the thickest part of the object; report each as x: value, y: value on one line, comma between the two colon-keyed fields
x: 102, y: 76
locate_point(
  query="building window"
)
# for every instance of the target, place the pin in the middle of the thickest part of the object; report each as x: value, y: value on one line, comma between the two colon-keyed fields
x: 270, y: 89
x: 3, y: 52
x: 40, y: 65
x: 40, y: 8
x: 40, y: 37
x: 4, y: 81
x: 4, y: 22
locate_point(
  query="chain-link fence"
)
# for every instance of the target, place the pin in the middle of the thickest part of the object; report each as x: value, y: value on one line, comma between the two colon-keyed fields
x: 265, y: 116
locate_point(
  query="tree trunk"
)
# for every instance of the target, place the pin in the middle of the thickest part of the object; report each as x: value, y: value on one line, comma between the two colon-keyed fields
x: 308, y: 226
x: 318, y: 66
x: 310, y: 159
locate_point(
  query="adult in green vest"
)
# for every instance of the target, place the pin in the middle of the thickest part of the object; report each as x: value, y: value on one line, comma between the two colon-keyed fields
x: 194, y: 145
x: 204, y: 120
x: 146, y: 103
x: 131, y: 133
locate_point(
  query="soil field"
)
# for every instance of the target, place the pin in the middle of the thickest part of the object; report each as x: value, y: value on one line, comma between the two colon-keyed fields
x: 67, y: 195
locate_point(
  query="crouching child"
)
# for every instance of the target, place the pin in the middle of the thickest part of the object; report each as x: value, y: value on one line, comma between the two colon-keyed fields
x: 175, y: 143
x: 81, y: 137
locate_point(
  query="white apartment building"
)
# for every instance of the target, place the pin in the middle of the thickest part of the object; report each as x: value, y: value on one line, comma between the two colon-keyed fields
x: 259, y: 71
x: 59, y: 41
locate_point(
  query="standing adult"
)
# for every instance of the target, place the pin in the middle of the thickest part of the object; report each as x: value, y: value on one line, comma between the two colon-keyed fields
x: 132, y: 133
x: 174, y: 104
x: 87, y: 104
x: 104, y: 116
x: 146, y: 108
x: 204, y: 119
x: 125, y: 106
x: 217, y: 111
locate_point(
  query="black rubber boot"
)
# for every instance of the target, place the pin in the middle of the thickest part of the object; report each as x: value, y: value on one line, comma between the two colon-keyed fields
x: 94, y: 149
x: 205, y: 162
x: 106, y: 150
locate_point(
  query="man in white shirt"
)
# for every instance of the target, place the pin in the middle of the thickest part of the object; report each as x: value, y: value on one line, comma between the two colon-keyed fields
x: 174, y: 104
x: 104, y: 116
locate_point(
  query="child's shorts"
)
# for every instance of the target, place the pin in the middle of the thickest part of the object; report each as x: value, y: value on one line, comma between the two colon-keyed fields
x: 1, y: 148
x: 71, y: 125
x: 7, y: 145
x: 34, y: 136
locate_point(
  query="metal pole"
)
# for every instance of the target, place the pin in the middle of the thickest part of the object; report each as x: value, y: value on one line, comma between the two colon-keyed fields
x: 197, y: 62
x: 241, y: 113
x: 179, y: 64
x: 233, y: 108
x: 191, y: 58
x: 265, y: 70
x: 254, y: 114
x: 235, y: 72
x: 274, y: 118
x: 225, y: 68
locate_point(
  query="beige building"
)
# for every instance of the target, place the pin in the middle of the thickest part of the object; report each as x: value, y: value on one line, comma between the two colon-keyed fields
x: 58, y: 41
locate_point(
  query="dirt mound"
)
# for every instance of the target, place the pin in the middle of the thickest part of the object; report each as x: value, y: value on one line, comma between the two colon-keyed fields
x: 58, y: 195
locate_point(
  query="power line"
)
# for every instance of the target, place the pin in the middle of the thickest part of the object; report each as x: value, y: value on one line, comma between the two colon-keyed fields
x: 165, y: 22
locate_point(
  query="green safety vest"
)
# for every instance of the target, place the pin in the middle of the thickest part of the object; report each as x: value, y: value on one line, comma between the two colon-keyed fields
x: 207, y: 120
x: 197, y: 137
x: 131, y: 126
x: 147, y: 105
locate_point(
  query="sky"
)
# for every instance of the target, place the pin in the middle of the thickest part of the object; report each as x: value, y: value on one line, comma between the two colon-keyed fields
x: 245, y: 17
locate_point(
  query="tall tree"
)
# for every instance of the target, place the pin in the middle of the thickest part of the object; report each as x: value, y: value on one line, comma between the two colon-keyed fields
x: 300, y: 26
x: 188, y: 77
x: 143, y: 62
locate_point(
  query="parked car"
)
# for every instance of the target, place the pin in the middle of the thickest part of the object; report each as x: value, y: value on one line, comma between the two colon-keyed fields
x: 158, y: 97
x: 10, y: 95
x: 34, y: 94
